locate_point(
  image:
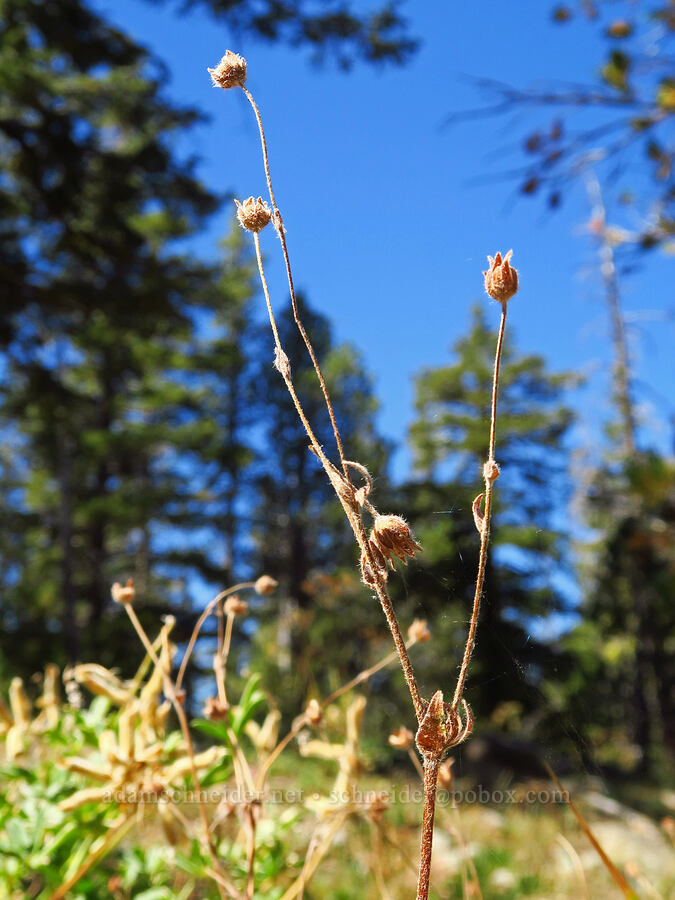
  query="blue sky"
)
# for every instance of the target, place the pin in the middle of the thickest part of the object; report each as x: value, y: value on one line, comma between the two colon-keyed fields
x: 387, y: 228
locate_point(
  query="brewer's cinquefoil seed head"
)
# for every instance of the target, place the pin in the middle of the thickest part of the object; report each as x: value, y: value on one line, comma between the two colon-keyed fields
x: 253, y: 214
x: 123, y: 593
x: 230, y: 71
x: 235, y: 606
x: 501, y: 279
x: 392, y: 536
x: 266, y: 585
x: 401, y: 739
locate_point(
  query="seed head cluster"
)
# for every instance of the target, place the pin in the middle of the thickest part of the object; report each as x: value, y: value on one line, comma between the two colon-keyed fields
x: 266, y: 585
x: 253, y: 214
x: 391, y: 535
x: 230, y: 71
x: 501, y: 279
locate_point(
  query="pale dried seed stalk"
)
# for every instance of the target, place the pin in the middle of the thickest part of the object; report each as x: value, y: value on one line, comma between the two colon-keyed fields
x: 440, y: 724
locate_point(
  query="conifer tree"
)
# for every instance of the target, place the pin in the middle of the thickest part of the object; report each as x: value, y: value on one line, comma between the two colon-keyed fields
x: 96, y: 299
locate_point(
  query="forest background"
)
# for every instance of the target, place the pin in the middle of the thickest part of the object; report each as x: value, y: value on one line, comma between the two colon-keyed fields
x: 146, y: 433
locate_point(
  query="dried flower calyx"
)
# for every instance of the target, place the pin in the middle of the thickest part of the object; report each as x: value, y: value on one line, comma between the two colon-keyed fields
x: 266, y: 585
x: 442, y: 726
x: 235, y: 606
x: 230, y: 71
x: 401, y: 739
x: 392, y: 537
x: 419, y: 631
x: 215, y: 709
x: 501, y: 279
x: 123, y: 593
x: 375, y: 572
x: 313, y: 712
x: 253, y: 214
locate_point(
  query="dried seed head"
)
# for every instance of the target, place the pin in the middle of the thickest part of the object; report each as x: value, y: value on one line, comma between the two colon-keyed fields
x: 253, y: 214
x: 377, y: 575
x: 490, y: 470
x: 419, y: 631
x: 230, y: 71
x: 266, y: 585
x: 401, y: 739
x: 431, y: 735
x: 392, y: 536
x: 215, y: 710
x: 235, y: 606
x: 123, y: 593
x: 313, y: 712
x: 501, y: 280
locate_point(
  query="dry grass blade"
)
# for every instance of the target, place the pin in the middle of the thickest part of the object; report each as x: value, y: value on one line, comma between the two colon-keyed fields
x: 618, y: 876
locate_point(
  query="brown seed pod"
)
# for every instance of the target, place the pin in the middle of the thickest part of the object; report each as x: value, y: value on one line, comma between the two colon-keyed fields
x: 392, y: 536
x: 230, y: 71
x: 419, y: 631
x: 266, y: 585
x: 401, y: 739
x: 501, y: 279
x: 431, y: 737
x: 123, y: 593
x: 313, y: 712
x: 235, y: 606
x: 215, y: 710
x: 253, y: 214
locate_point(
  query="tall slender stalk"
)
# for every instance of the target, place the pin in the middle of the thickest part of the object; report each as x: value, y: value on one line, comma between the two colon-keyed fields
x: 440, y: 726
x: 431, y: 765
x: 279, y: 225
x: 489, y: 471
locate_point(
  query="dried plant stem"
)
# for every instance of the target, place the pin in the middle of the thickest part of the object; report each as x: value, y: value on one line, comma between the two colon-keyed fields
x: 485, y: 530
x: 431, y: 766
x: 415, y: 760
x: 280, y: 350
x: 315, y: 853
x: 302, y: 721
x: 353, y: 516
x: 616, y: 874
x: 170, y: 691
x: 220, y: 659
x: 377, y: 857
x: 456, y: 831
x: 250, y: 882
x: 206, y: 612
x: 278, y: 222
x: 406, y: 665
x: 361, y: 677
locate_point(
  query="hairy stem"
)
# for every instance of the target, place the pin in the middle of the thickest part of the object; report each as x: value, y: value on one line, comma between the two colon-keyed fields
x: 278, y: 222
x: 485, y: 529
x: 353, y: 516
x: 431, y: 765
